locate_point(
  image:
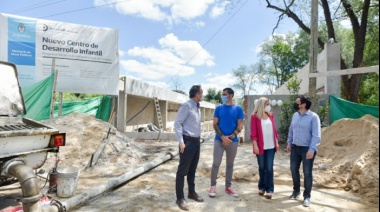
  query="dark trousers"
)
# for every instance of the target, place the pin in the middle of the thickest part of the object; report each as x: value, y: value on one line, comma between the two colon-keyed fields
x: 298, y: 155
x: 188, y: 162
x: 265, y: 162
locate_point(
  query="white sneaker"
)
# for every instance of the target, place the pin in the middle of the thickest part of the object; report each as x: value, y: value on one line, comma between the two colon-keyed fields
x: 212, y: 192
x: 306, y: 202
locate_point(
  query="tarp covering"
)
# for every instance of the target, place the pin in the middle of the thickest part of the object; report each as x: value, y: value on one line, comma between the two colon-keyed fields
x: 99, y: 107
x: 37, y: 98
x: 340, y: 108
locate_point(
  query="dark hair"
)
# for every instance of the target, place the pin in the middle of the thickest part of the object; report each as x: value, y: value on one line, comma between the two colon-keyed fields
x: 194, y: 90
x: 229, y: 91
x: 307, y: 100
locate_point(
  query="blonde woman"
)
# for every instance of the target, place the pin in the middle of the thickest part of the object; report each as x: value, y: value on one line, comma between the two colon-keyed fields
x: 265, y: 144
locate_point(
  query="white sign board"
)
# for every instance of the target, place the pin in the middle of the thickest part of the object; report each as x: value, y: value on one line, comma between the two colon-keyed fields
x: 86, y: 57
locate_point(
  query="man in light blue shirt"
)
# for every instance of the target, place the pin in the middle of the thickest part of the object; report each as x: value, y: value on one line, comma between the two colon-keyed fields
x: 188, y: 132
x: 303, y: 141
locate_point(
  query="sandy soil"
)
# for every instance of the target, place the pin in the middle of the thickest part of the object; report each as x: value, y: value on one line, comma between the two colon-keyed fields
x: 346, y: 171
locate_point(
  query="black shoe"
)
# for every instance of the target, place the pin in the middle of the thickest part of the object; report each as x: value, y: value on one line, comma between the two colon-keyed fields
x: 294, y: 195
x: 182, y: 204
x: 195, y: 196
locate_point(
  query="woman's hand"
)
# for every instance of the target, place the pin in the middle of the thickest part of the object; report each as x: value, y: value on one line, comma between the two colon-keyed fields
x: 255, y: 148
x: 277, y: 146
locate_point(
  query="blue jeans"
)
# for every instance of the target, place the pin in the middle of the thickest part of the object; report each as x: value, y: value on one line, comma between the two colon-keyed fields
x: 188, y: 162
x: 265, y: 162
x: 298, y: 155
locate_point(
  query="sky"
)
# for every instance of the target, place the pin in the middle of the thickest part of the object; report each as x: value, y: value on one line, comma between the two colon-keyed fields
x: 171, y: 43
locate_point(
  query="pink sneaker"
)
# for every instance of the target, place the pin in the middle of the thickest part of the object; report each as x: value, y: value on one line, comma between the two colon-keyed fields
x: 212, y: 192
x: 231, y: 192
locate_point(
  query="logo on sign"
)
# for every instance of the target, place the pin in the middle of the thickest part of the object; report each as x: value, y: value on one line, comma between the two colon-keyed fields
x: 21, y: 27
x: 53, y: 28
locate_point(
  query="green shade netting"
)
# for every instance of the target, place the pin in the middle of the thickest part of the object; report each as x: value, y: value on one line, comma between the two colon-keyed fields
x: 340, y: 108
x: 99, y: 107
x: 37, y: 99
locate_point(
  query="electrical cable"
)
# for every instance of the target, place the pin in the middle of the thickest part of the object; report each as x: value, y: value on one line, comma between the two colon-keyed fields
x: 220, y: 28
x: 139, y: 112
x: 38, y: 6
x: 48, y: 178
x: 86, y: 8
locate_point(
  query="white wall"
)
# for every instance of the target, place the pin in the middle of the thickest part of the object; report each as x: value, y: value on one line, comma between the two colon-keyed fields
x: 139, y: 93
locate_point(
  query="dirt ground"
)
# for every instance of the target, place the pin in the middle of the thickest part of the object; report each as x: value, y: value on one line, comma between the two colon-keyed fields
x: 345, y: 171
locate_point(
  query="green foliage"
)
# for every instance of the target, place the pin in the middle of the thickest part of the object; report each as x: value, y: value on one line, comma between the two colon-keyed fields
x: 293, y: 87
x: 371, y: 51
x: 239, y: 101
x: 287, y: 109
x: 322, y: 112
x: 245, y: 78
x: 300, y: 48
x: 213, y: 96
x: 347, y: 47
x: 286, y: 115
x: 282, y: 56
x: 369, y: 92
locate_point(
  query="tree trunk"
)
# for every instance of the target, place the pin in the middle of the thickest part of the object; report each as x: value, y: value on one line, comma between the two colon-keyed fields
x: 351, y: 86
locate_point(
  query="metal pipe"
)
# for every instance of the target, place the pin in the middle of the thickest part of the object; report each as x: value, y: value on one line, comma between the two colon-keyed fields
x: 29, y: 185
x: 82, y: 198
x: 95, y: 191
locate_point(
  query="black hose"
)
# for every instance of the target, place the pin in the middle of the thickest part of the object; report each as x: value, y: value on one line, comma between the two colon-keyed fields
x: 139, y: 112
x: 47, y: 178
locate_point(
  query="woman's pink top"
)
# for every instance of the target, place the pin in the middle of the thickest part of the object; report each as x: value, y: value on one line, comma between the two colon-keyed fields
x: 257, y: 132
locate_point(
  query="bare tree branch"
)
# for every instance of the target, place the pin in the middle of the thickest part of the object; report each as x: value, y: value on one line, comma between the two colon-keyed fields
x: 296, y: 19
x: 359, y: 22
x: 337, y: 8
x: 364, y: 21
x: 291, y: 3
x: 351, y: 14
x: 280, y: 17
x: 330, y: 26
x: 329, y: 22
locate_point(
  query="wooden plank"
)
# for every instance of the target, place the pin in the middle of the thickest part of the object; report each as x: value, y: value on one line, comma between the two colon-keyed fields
x: 370, y: 69
x: 112, y: 115
x: 53, y: 90
x: 98, y: 152
x: 313, y: 52
x: 60, y: 101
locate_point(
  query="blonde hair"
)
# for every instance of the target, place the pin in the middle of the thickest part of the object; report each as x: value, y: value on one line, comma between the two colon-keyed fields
x: 259, y: 108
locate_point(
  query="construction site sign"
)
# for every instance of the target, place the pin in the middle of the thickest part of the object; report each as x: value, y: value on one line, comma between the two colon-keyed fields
x: 86, y: 57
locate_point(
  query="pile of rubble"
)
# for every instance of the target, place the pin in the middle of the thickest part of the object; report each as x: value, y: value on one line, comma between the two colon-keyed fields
x: 348, y: 157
